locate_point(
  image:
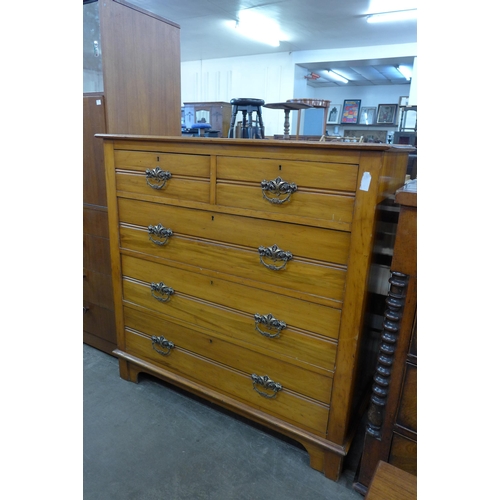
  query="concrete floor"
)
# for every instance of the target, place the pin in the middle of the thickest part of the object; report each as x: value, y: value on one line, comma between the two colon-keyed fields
x: 151, y: 441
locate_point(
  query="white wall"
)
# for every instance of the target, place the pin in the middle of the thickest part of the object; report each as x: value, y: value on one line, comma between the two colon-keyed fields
x: 268, y: 76
x: 276, y: 78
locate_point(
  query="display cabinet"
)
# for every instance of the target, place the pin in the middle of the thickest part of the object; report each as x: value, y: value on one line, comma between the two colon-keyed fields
x: 217, y: 114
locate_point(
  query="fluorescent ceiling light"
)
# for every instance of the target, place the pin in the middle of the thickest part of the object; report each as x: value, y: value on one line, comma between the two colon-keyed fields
x: 259, y: 28
x: 405, y: 71
x: 398, y: 15
x: 336, y: 76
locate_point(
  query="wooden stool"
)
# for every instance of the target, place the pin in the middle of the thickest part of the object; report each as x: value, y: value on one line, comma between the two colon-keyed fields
x: 247, y: 106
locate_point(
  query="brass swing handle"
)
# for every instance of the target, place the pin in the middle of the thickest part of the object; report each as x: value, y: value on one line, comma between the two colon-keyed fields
x: 164, y: 290
x: 274, y: 253
x: 269, y: 322
x: 159, y: 231
x: 163, y: 343
x: 267, y: 384
x: 278, y: 188
x: 158, y: 176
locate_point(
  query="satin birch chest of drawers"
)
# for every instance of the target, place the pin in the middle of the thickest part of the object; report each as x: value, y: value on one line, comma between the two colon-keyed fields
x: 240, y: 272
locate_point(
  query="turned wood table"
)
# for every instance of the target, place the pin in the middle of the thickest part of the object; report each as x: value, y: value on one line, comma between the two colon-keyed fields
x: 287, y: 107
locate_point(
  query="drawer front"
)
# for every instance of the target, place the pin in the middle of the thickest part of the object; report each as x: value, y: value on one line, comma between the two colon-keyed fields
x: 287, y: 405
x: 98, y: 288
x: 231, y: 311
x: 302, y: 203
x: 99, y: 321
x: 303, y: 241
x: 96, y: 254
x: 299, y: 314
x: 95, y: 222
x: 314, y: 384
x: 305, y: 174
x: 177, y: 164
x: 176, y: 188
x: 298, y: 277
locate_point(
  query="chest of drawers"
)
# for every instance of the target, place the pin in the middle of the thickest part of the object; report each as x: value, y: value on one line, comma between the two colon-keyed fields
x: 240, y: 273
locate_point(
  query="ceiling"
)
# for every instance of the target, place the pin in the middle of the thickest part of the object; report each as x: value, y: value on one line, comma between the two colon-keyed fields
x: 308, y: 25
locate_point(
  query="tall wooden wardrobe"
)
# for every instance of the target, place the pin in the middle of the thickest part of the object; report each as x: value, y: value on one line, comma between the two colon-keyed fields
x: 131, y: 85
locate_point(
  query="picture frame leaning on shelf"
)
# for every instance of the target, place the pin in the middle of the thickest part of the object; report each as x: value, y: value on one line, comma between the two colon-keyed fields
x: 350, y: 111
x: 334, y: 113
x: 387, y: 114
x: 367, y: 116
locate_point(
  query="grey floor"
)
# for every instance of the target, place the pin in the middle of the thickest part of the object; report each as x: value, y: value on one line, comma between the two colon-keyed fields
x: 150, y: 441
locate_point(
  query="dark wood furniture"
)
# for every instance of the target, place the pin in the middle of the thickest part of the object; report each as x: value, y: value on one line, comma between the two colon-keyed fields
x: 217, y: 114
x: 241, y: 273
x: 141, y: 95
x: 391, y: 432
x: 391, y: 483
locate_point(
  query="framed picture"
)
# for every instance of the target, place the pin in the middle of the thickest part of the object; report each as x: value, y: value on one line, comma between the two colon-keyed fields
x: 350, y: 111
x: 367, y: 116
x: 334, y: 111
x: 387, y: 113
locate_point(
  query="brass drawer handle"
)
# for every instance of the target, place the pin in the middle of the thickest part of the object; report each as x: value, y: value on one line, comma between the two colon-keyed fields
x: 274, y: 253
x: 160, y: 232
x: 163, y: 289
x: 278, y: 188
x: 159, y: 176
x: 269, y: 322
x: 267, y: 383
x: 163, y: 343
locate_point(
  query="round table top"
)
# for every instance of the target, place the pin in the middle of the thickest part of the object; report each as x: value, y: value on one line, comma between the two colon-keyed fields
x: 288, y: 105
x: 315, y: 103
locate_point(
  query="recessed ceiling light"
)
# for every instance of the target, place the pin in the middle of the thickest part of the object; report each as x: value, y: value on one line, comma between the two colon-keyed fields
x: 259, y: 28
x: 336, y: 76
x: 405, y: 71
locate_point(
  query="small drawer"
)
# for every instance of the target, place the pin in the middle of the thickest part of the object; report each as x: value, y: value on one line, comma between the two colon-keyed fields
x: 317, y: 190
x: 305, y: 174
x: 315, y: 384
x: 302, y: 241
x: 177, y: 164
x: 175, y: 188
x: 169, y: 176
x: 309, y: 204
x: 286, y: 404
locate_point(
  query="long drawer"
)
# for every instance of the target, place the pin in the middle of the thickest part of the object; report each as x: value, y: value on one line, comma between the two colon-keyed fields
x: 303, y: 241
x: 315, y: 383
x: 230, y: 309
x: 297, y: 275
x: 288, y: 405
x: 227, y: 294
x: 165, y: 175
